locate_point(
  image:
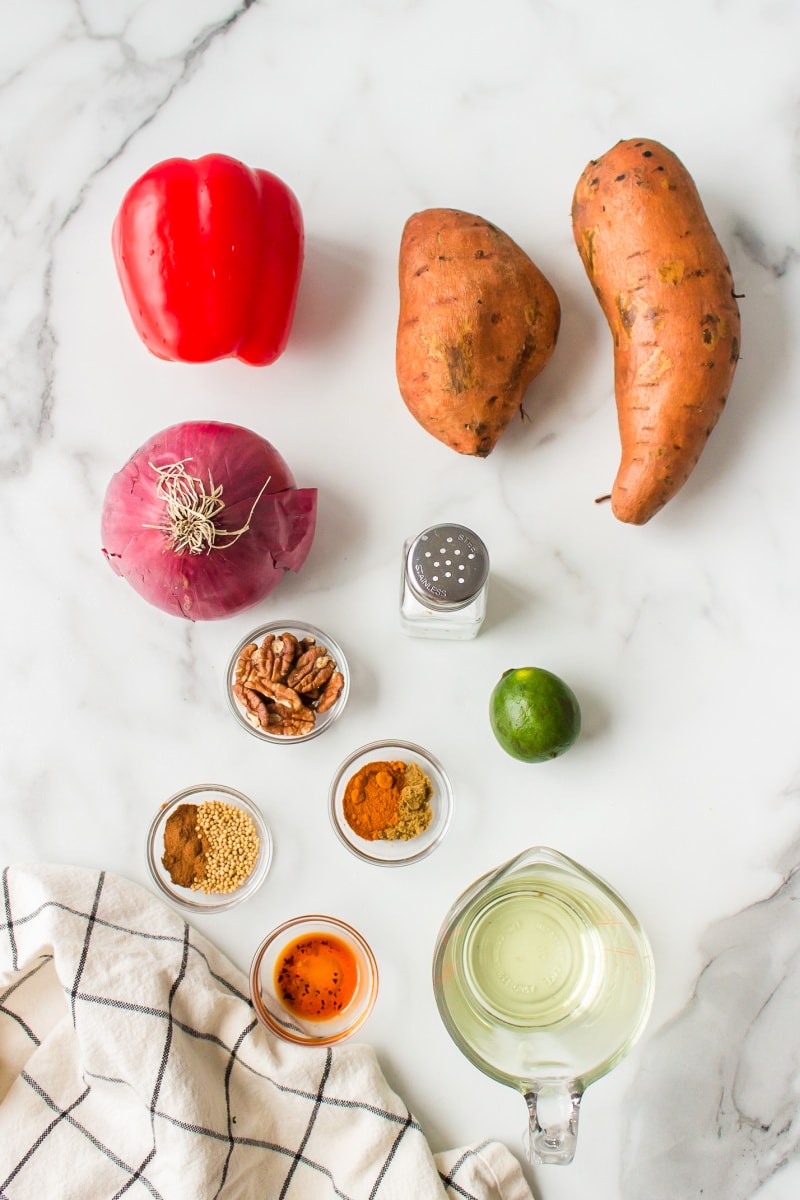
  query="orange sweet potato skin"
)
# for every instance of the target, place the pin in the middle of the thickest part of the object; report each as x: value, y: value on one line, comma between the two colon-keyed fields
x: 665, y: 287
x: 478, y: 321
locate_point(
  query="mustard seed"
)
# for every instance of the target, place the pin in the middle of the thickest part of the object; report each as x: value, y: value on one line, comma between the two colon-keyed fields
x: 231, y: 844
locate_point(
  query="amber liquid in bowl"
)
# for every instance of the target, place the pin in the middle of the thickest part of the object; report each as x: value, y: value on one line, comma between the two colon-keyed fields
x: 316, y: 976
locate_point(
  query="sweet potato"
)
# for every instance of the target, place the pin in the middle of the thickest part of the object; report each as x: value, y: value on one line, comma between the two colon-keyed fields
x: 665, y: 287
x: 478, y: 320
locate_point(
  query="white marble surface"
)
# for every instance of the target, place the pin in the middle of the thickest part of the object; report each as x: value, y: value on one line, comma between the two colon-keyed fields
x: 680, y: 638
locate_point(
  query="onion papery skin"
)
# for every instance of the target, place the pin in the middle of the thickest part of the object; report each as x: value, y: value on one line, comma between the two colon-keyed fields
x: 226, y: 579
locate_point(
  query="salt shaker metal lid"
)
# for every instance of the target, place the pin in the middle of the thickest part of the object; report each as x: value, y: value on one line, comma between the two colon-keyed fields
x: 447, y: 566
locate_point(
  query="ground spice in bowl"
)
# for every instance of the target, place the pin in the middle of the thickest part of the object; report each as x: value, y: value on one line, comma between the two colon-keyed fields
x: 388, y: 801
x: 210, y: 847
x: 184, y: 857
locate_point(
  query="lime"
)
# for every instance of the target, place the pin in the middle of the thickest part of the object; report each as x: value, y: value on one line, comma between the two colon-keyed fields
x: 533, y: 714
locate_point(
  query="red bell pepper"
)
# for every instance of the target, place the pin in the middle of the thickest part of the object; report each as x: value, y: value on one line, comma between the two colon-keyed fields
x: 209, y: 253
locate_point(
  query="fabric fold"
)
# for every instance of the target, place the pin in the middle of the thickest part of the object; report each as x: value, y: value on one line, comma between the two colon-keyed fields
x: 131, y: 1063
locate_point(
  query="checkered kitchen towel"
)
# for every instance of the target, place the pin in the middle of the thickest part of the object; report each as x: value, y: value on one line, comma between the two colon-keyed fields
x: 131, y: 1064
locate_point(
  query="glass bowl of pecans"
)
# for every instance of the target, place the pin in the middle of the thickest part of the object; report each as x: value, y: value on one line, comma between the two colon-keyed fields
x: 313, y: 981
x: 208, y: 848
x: 287, y: 682
x: 391, y: 803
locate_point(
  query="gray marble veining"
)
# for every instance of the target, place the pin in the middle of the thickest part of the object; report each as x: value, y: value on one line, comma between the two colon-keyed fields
x: 680, y: 639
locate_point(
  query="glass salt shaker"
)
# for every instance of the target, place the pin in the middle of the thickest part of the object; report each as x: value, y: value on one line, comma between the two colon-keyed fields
x: 445, y: 582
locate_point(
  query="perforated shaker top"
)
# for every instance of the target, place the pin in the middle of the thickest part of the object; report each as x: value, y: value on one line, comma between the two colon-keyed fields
x: 447, y: 566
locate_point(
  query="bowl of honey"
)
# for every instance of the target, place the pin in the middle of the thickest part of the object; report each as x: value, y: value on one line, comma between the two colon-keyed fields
x: 313, y: 980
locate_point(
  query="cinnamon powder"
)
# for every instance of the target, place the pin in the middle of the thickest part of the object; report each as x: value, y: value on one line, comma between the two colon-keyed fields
x: 184, y: 848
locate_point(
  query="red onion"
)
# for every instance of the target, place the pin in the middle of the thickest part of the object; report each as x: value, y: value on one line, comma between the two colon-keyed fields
x: 204, y: 519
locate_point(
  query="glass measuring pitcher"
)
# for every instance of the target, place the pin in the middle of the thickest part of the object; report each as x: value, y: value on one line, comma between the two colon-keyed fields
x: 544, y: 980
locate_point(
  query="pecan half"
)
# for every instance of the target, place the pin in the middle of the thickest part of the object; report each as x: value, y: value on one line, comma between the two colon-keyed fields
x: 331, y: 692
x: 284, y: 649
x: 244, y: 662
x: 295, y: 723
x: 311, y: 670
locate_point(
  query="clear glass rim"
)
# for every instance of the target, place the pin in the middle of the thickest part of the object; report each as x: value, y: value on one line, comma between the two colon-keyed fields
x: 349, y: 934
x: 447, y: 801
x: 256, y: 635
x: 250, y: 885
x: 546, y: 854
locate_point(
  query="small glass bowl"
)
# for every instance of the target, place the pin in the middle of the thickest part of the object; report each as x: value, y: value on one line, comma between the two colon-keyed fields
x: 288, y: 1025
x: 393, y: 853
x: 186, y: 897
x: 323, y: 720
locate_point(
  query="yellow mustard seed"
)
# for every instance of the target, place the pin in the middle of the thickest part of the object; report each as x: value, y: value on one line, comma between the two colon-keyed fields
x: 231, y: 845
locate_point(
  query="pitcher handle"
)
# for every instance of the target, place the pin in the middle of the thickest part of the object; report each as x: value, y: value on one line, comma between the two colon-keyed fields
x: 553, y: 1111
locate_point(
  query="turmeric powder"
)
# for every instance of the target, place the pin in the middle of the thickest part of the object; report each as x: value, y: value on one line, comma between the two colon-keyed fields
x: 388, y: 800
x: 372, y: 798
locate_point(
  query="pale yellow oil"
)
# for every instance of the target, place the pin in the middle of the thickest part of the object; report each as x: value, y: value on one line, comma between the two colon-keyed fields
x: 544, y: 977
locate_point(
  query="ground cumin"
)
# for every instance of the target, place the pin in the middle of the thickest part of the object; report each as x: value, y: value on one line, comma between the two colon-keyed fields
x: 388, y: 801
x: 415, y: 813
